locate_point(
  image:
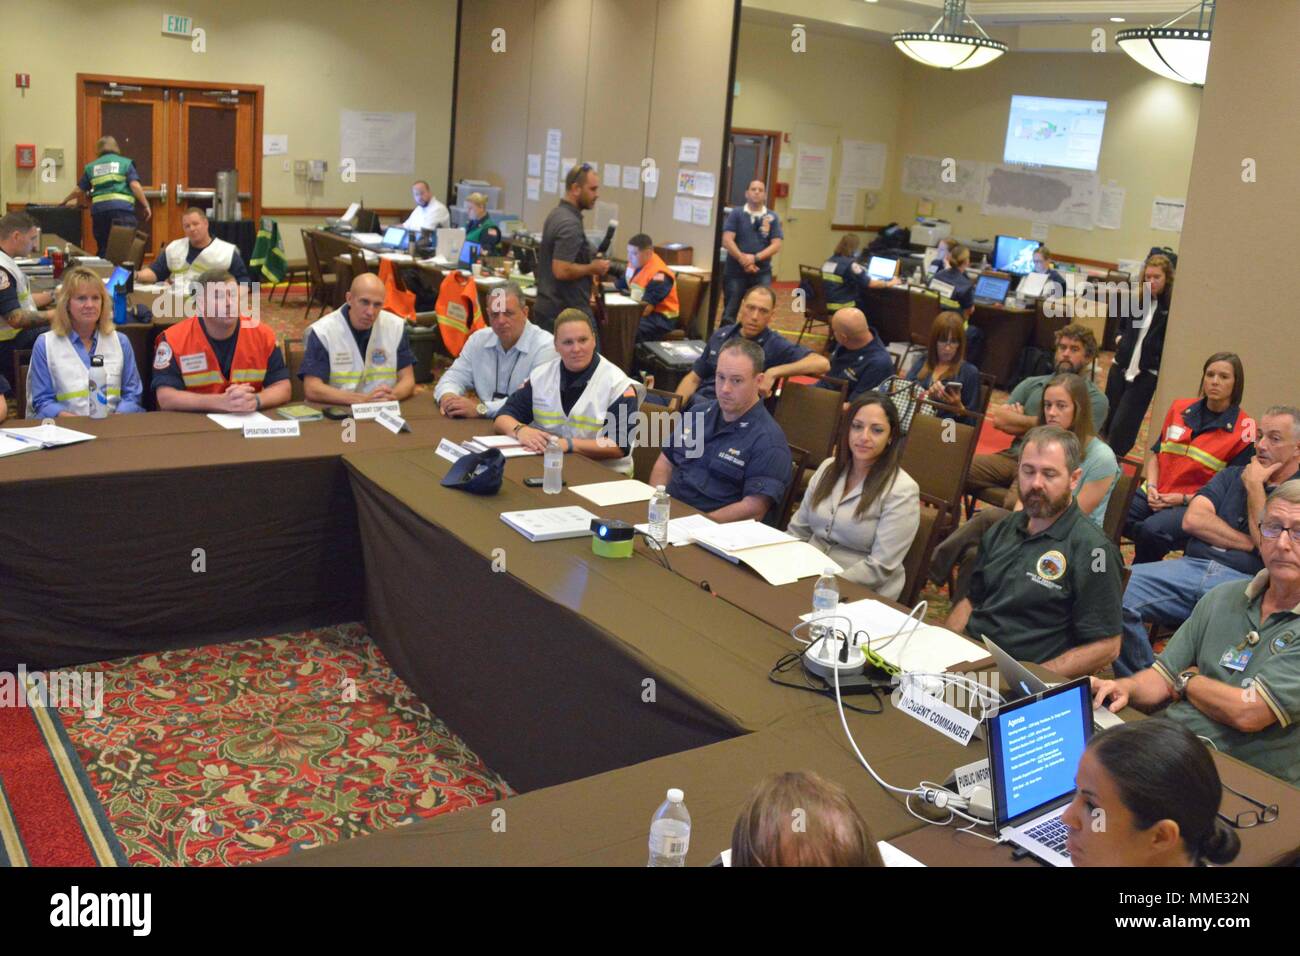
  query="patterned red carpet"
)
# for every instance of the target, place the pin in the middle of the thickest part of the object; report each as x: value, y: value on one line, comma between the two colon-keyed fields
x: 235, y: 753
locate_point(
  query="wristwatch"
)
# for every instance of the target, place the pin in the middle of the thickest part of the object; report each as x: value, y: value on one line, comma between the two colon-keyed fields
x: 570, y: 441
x: 1181, y: 682
x: 481, y: 410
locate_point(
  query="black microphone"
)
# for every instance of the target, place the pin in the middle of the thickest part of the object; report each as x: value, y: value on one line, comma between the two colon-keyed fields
x: 609, y: 237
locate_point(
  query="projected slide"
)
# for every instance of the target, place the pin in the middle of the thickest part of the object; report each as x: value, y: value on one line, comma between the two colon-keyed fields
x: 1044, y: 131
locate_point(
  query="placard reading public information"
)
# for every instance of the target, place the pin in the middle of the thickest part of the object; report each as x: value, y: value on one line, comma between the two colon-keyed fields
x: 271, y: 430
x: 365, y: 411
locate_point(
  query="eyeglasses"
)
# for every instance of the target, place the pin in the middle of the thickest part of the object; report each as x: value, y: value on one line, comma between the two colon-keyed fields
x: 1270, y: 529
x: 1249, y: 818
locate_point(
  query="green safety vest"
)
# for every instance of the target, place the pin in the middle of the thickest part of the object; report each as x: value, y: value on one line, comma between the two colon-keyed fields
x: 107, y: 175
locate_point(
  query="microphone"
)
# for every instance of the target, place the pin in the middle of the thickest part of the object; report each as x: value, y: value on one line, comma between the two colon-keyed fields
x: 609, y: 237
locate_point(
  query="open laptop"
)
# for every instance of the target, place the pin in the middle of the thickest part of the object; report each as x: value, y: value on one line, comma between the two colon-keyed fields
x: 1034, y: 748
x: 395, y: 237
x: 1033, y: 285
x: 882, y: 268
x: 469, y: 253
x: 449, y: 243
x: 991, y: 290
x: 1023, y: 682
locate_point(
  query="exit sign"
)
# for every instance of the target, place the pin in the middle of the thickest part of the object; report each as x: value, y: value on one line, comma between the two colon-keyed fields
x: 176, y: 26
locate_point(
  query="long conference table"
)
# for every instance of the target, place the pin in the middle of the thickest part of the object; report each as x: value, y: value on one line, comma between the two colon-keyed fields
x: 591, y: 684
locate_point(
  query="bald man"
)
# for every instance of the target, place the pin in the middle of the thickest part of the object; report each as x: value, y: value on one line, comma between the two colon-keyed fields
x: 859, y: 357
x: 752, y: 235
x: 359, y: 353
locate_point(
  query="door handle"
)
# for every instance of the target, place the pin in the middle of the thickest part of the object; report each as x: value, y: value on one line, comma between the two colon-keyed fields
x: 159, y: 194
x: 183, y: 194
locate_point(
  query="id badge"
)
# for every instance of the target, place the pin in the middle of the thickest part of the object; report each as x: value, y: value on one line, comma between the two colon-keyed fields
x: 1235, y: 660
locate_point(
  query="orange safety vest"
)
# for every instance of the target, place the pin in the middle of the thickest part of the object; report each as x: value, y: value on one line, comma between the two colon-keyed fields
x: 188, y: 343
x: 668, y: 307
x: 396, y: 300
x: 1187, y: 463
x: 458, y: 311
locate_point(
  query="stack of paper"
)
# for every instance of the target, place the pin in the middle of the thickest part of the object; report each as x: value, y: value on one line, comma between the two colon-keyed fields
x: 550, y: 524
x: 777, y: 556
x: 236, y: 422
x: 610, y: 493
x: 508, y: 445
x: 680, y: 530
x: 44, y: 436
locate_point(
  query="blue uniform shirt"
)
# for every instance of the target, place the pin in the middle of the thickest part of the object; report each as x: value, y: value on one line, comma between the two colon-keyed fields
x: 963, y: 290
x: 863, y: 368
x: 161, y: 270
x: 1228, y: 495
x: 853, y: 279
x: 754, y: 233
x: 777, y: 350
x: 41, y: 383
x: 316, y: 358
x: 749, y: 456
x: 125, y: 204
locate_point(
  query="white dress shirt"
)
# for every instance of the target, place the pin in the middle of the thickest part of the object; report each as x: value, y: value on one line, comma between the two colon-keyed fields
x: 432, y: 216
x: 871, y: 549
x: 1135, y: 363
x: 489, y: 370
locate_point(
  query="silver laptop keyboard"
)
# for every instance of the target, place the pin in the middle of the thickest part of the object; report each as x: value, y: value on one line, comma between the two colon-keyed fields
x: 1051, y: 833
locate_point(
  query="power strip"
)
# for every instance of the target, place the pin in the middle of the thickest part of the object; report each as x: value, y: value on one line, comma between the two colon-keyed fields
x: 823, y: 659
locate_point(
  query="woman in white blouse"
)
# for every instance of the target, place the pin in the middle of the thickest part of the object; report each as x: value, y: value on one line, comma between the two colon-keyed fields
x: 861, y: 508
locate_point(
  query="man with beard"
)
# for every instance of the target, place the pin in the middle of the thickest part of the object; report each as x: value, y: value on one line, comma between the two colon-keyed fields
x: 1222, y: 525
x: 1047, y: 585
x: 1076, y: 347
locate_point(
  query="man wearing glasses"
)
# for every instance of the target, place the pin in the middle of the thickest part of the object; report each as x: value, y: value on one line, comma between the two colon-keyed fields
x: 1232, y: 671
x: 566, y: 263
x: 1223, y: 538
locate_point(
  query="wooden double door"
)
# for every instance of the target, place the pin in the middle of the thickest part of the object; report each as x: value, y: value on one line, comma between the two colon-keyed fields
x: 179, y: 135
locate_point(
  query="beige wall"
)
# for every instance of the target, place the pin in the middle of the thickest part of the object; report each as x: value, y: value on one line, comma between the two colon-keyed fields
x: 621, y: 79
x: 1227, y: 294
x: 312, y: 60
x: 869, y: 91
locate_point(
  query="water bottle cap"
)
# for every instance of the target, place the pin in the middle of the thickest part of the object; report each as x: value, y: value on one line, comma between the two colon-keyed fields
x: 659, y: 488
x: 829, y: 572
x: 675, y: 796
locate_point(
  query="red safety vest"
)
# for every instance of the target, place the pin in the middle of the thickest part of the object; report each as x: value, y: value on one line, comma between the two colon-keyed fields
x: 458, y: 311
x: 1187, y: 463
x: 668, y: 306
x: 187, y: 342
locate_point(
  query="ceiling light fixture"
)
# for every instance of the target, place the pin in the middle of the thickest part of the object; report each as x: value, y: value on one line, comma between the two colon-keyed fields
x: 945, y: 46
x: 1180, y: 53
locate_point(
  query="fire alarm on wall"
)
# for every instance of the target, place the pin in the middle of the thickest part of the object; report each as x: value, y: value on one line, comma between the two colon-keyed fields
x: 780, y: 190
x: 22, y: 80
x: 26, y: 155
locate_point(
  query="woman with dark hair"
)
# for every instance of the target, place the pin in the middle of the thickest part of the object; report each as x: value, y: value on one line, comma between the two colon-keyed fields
x: 943, y: 364
x: 1132, y: 379
x: 861, y: 508
x: 1148, y: 794
x: 1199, y: 438
x: 801, y: 819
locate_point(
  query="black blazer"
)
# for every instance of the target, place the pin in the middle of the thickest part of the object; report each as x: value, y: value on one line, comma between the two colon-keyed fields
x: 1153, y: 345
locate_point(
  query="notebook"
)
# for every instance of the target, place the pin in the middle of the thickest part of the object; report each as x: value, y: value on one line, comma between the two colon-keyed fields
x: 300, y: 413
x: 550, y: 524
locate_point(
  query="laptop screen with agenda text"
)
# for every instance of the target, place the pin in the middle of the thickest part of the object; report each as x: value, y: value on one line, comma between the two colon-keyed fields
x: 991, y: 288
x: 1034, y: 748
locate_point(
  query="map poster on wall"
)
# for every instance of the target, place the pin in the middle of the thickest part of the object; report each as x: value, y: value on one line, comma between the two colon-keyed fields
x: 1060, y: 197
x: 378, y: 142
x: 935, y: 177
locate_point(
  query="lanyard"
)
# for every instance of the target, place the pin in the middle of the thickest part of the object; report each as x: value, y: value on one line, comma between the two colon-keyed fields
x: 496, y: 376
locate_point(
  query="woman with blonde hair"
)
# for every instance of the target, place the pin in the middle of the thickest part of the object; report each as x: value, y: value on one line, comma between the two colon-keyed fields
x: 59, y: 383
x: 801, y: 819
x: 481, y: 228
x: 1132, y: 379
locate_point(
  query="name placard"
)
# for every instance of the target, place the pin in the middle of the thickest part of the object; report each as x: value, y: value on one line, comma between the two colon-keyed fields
x: 368, y: 411
x: 935, y: 714
x: 271, y: 430
x: 450, y: 450
x: 971, y: 776
x: 393, y: 422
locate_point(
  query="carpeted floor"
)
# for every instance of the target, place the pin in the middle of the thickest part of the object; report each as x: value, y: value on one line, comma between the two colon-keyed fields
x: 236, y: 753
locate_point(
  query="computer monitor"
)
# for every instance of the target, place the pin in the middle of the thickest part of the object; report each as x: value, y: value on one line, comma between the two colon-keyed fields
x: 1034, y: 748
x: 121, y: 277
x: 882, y: 268
x: 469, y: 253
x: 1013, y: 254
x: 395, y: 237
x: 992, y: 288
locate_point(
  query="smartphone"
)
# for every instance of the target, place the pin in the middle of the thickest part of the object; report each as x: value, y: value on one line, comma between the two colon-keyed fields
x: 953, y: 386
x: 537, y: 483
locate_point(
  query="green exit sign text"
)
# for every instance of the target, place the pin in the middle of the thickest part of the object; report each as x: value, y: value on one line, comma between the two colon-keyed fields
x: 176, y: 26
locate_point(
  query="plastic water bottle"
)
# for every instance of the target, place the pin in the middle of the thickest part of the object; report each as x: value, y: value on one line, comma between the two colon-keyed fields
x: 553, y: 467
x: 670, y: 832
x: 659, y: 506
x: 826, y: 598
x: 98, y: 387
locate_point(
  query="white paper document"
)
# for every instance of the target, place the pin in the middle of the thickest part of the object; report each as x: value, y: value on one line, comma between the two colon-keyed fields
x: 234, y: 423
x: 534, y: 188
x: 1167, y: 214
x: 609, y: 493
x: 48, y: 436
x: 680, y: 530
x: 690, y: 150
x: 550, y: 524
x: 613, y: 175
x: 508, y: 445
x: 631, y: 177
x: 924, y: 648
x: 778, y: 557
x: 683, y: 208
x: 535, y: 164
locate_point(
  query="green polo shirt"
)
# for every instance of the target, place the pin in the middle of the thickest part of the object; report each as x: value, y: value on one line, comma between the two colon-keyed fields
x: 1038, y: 595
x: 1219, y: 622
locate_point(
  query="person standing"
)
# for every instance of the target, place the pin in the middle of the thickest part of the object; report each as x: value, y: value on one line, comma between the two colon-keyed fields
x: 566, y: 263
x: 113, y: 185
x: 1132, y: 379
x: 751, y: 235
